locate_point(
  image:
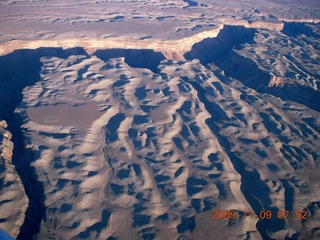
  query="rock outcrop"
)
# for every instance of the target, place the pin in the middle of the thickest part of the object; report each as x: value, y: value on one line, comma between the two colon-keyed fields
x: 276, y: 81
x: 195, y: 133
x: 13, y: 200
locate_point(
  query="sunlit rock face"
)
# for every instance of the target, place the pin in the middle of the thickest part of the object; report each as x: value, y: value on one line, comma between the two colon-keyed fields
x: 13, y: 200
x: 143, y: 139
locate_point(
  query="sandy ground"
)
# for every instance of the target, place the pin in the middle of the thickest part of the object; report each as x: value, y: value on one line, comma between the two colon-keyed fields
x: 131, y: 152
x: 35, y: 19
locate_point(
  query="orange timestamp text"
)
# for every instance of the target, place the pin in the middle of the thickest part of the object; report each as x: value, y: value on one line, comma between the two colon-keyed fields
x: 262, y: 214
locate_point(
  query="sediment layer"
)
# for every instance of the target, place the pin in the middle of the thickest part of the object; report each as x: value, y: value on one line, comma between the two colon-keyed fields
x: 173, y: 49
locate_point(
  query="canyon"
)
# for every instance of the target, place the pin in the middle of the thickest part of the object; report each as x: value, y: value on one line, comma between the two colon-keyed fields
x: 118, y: 138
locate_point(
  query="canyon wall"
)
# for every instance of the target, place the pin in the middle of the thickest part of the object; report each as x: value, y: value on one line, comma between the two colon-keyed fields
x: 207, y: 65
x: 13, y: 200
x: 166, y: 46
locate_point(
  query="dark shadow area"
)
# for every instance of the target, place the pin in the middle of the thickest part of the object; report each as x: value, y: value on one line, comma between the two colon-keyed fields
x: 141, y: 92
x: 137, y: 208
x: 22, y: 68
x: 34, y: 189
x: 219, y: 51
x: 294, y: 29
x: 312, y: 122
x: 191, y: 3
x: 117, y: 189
x: 194, y: 129
x: 178, y: 142
x: 304, y: 95
x: 140, y: 119
x: 270, y: 124
x: 179, y: 171
x: 123, y: 173
x: 164, y: 217
x: 97, y: 227
x: 288, y: 194
x: 312, y: 210
x: 161, y: 178
x: 187, y: 223
x: 65, y: 207
x: 72, y: 164
x: 140, y: 220
x: 62, y: 182
x: 148, y: 233
x: 243, y: 69
x: 121, y: 82
x: 113, y: 126
x: 111, y: 238
x: 196, y: 204
x: 209, y: 203
x: 222, y: 189
x: 137, y: 169
x: 168, y: 190
x: 195, y: 185
x: 142, y: 58
x: 211, y: 49
x: 255, y: 190
x: 19, y: 69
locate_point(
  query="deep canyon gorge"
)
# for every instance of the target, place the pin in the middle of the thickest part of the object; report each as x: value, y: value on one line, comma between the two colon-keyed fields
x: 116, y: 138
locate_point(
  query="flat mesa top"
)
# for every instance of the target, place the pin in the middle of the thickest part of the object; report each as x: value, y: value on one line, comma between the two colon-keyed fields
x: 141, y: 20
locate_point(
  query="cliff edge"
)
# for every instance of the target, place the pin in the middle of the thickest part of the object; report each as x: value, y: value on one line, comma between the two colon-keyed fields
x: 13, y: 200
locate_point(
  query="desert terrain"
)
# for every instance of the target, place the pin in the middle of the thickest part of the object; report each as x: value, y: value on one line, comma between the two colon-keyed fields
x: 140, y: 120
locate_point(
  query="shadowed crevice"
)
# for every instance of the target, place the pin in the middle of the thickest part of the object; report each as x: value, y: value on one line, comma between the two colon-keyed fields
x: 136, y: 58
x: 20, y: 69
x: 211, y: 49
x: 254, y: 189
x: 220, y: 52
x: 294, y: 29
x: 34, y: 189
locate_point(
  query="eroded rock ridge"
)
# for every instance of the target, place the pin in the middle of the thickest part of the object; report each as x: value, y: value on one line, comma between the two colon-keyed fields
x: 160, y: 133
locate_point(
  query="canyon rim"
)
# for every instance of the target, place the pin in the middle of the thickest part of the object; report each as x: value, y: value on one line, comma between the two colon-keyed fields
x: 141, y: 120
